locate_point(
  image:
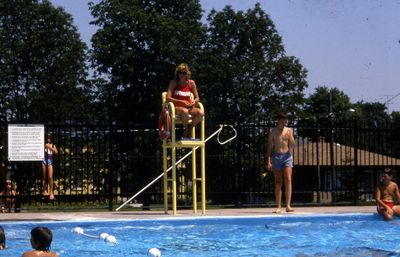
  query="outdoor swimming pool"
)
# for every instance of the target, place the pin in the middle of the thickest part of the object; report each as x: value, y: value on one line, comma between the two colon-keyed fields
x: 281, y: 235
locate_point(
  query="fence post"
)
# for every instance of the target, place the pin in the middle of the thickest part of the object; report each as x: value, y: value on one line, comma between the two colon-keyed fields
x: 356, y: 169
x: 239, y: 168
x: 110, y: 164
x: 319, y: 191
x: 332, y: 157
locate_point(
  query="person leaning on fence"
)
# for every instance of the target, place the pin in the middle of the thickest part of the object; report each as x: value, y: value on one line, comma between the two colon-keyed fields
x: 50, y: 150
x: 41, y: 238
x: 279, y: 159
x: 7, y: 197
x: 179, y: 92
x: 385, y: 192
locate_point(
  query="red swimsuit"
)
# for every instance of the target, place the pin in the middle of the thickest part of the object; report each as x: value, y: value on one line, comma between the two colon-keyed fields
x: 182, y: 93
x: 390, y: 204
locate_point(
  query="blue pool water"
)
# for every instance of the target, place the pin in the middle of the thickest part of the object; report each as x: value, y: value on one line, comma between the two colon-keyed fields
x: 286, y: 235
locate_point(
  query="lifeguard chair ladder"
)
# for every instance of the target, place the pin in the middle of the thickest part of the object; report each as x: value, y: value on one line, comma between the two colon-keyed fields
x: 172, y: 144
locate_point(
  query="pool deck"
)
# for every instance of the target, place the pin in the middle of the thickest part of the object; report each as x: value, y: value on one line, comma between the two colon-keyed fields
x: 91, y: 215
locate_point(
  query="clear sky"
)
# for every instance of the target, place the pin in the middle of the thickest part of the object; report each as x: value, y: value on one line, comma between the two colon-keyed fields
x: 353, y: 45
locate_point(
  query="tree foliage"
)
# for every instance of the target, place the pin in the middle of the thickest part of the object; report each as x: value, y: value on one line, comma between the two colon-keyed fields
x: 373, y: 113
x: 136, y: 49
x: 238, y: 61
x: 327, y: 103
x: 42, y: 64
x: 244, y: 72
x: 395, y: 116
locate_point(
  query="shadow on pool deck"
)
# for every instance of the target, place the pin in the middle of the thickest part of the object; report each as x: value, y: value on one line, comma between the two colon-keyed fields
x: 25, y: 216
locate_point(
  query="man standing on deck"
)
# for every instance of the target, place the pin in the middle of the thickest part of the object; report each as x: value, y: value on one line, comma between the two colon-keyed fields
x: 279, y: 159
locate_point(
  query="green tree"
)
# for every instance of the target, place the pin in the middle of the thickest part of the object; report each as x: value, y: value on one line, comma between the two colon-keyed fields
x: 42, y: 64
x: 136, y: 49
x: 395, y: 117
x: 374, y: 114
x: 375, y: 125
x: 243, y: 72
x: 327, y: 103
x: 326, y: 109
x: 395, y: 137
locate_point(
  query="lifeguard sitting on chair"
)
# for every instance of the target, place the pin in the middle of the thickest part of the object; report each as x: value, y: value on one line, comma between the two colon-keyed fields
x: 180, y: 92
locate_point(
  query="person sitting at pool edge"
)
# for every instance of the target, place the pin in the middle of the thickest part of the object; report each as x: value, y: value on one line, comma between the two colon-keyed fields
x: 7, y: 195
x: 41, y: 238
x: 385, y: 191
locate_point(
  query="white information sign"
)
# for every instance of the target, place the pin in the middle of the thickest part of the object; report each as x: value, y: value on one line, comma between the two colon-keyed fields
x: 25, y: 142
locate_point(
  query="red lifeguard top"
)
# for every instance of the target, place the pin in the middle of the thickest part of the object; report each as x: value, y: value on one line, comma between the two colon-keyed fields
x: 182, y: 93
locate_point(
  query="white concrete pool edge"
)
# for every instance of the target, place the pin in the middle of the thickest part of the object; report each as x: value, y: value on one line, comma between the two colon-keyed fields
x: 129, y: 214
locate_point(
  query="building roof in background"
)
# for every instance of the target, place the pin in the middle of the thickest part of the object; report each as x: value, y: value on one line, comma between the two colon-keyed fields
x: 306, y: 155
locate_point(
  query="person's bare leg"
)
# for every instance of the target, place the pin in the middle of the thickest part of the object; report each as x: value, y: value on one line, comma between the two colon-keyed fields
x: 184, y: 113
x: 197, y: 115
x: 278, y: 190
x: 396, y: 210
x: 51, y: 183
x: 387, y: 216
x: 9, y: 204
x: 287, y: 174
x: 44, y: 177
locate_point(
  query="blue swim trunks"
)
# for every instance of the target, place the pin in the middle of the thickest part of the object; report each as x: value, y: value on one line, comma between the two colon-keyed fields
x: 48, y: 162
x: 282, y: 160
x: 48, y: 157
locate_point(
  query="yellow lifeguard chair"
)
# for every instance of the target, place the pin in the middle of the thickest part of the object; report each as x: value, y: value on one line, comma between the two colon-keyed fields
x: 170, y: 145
